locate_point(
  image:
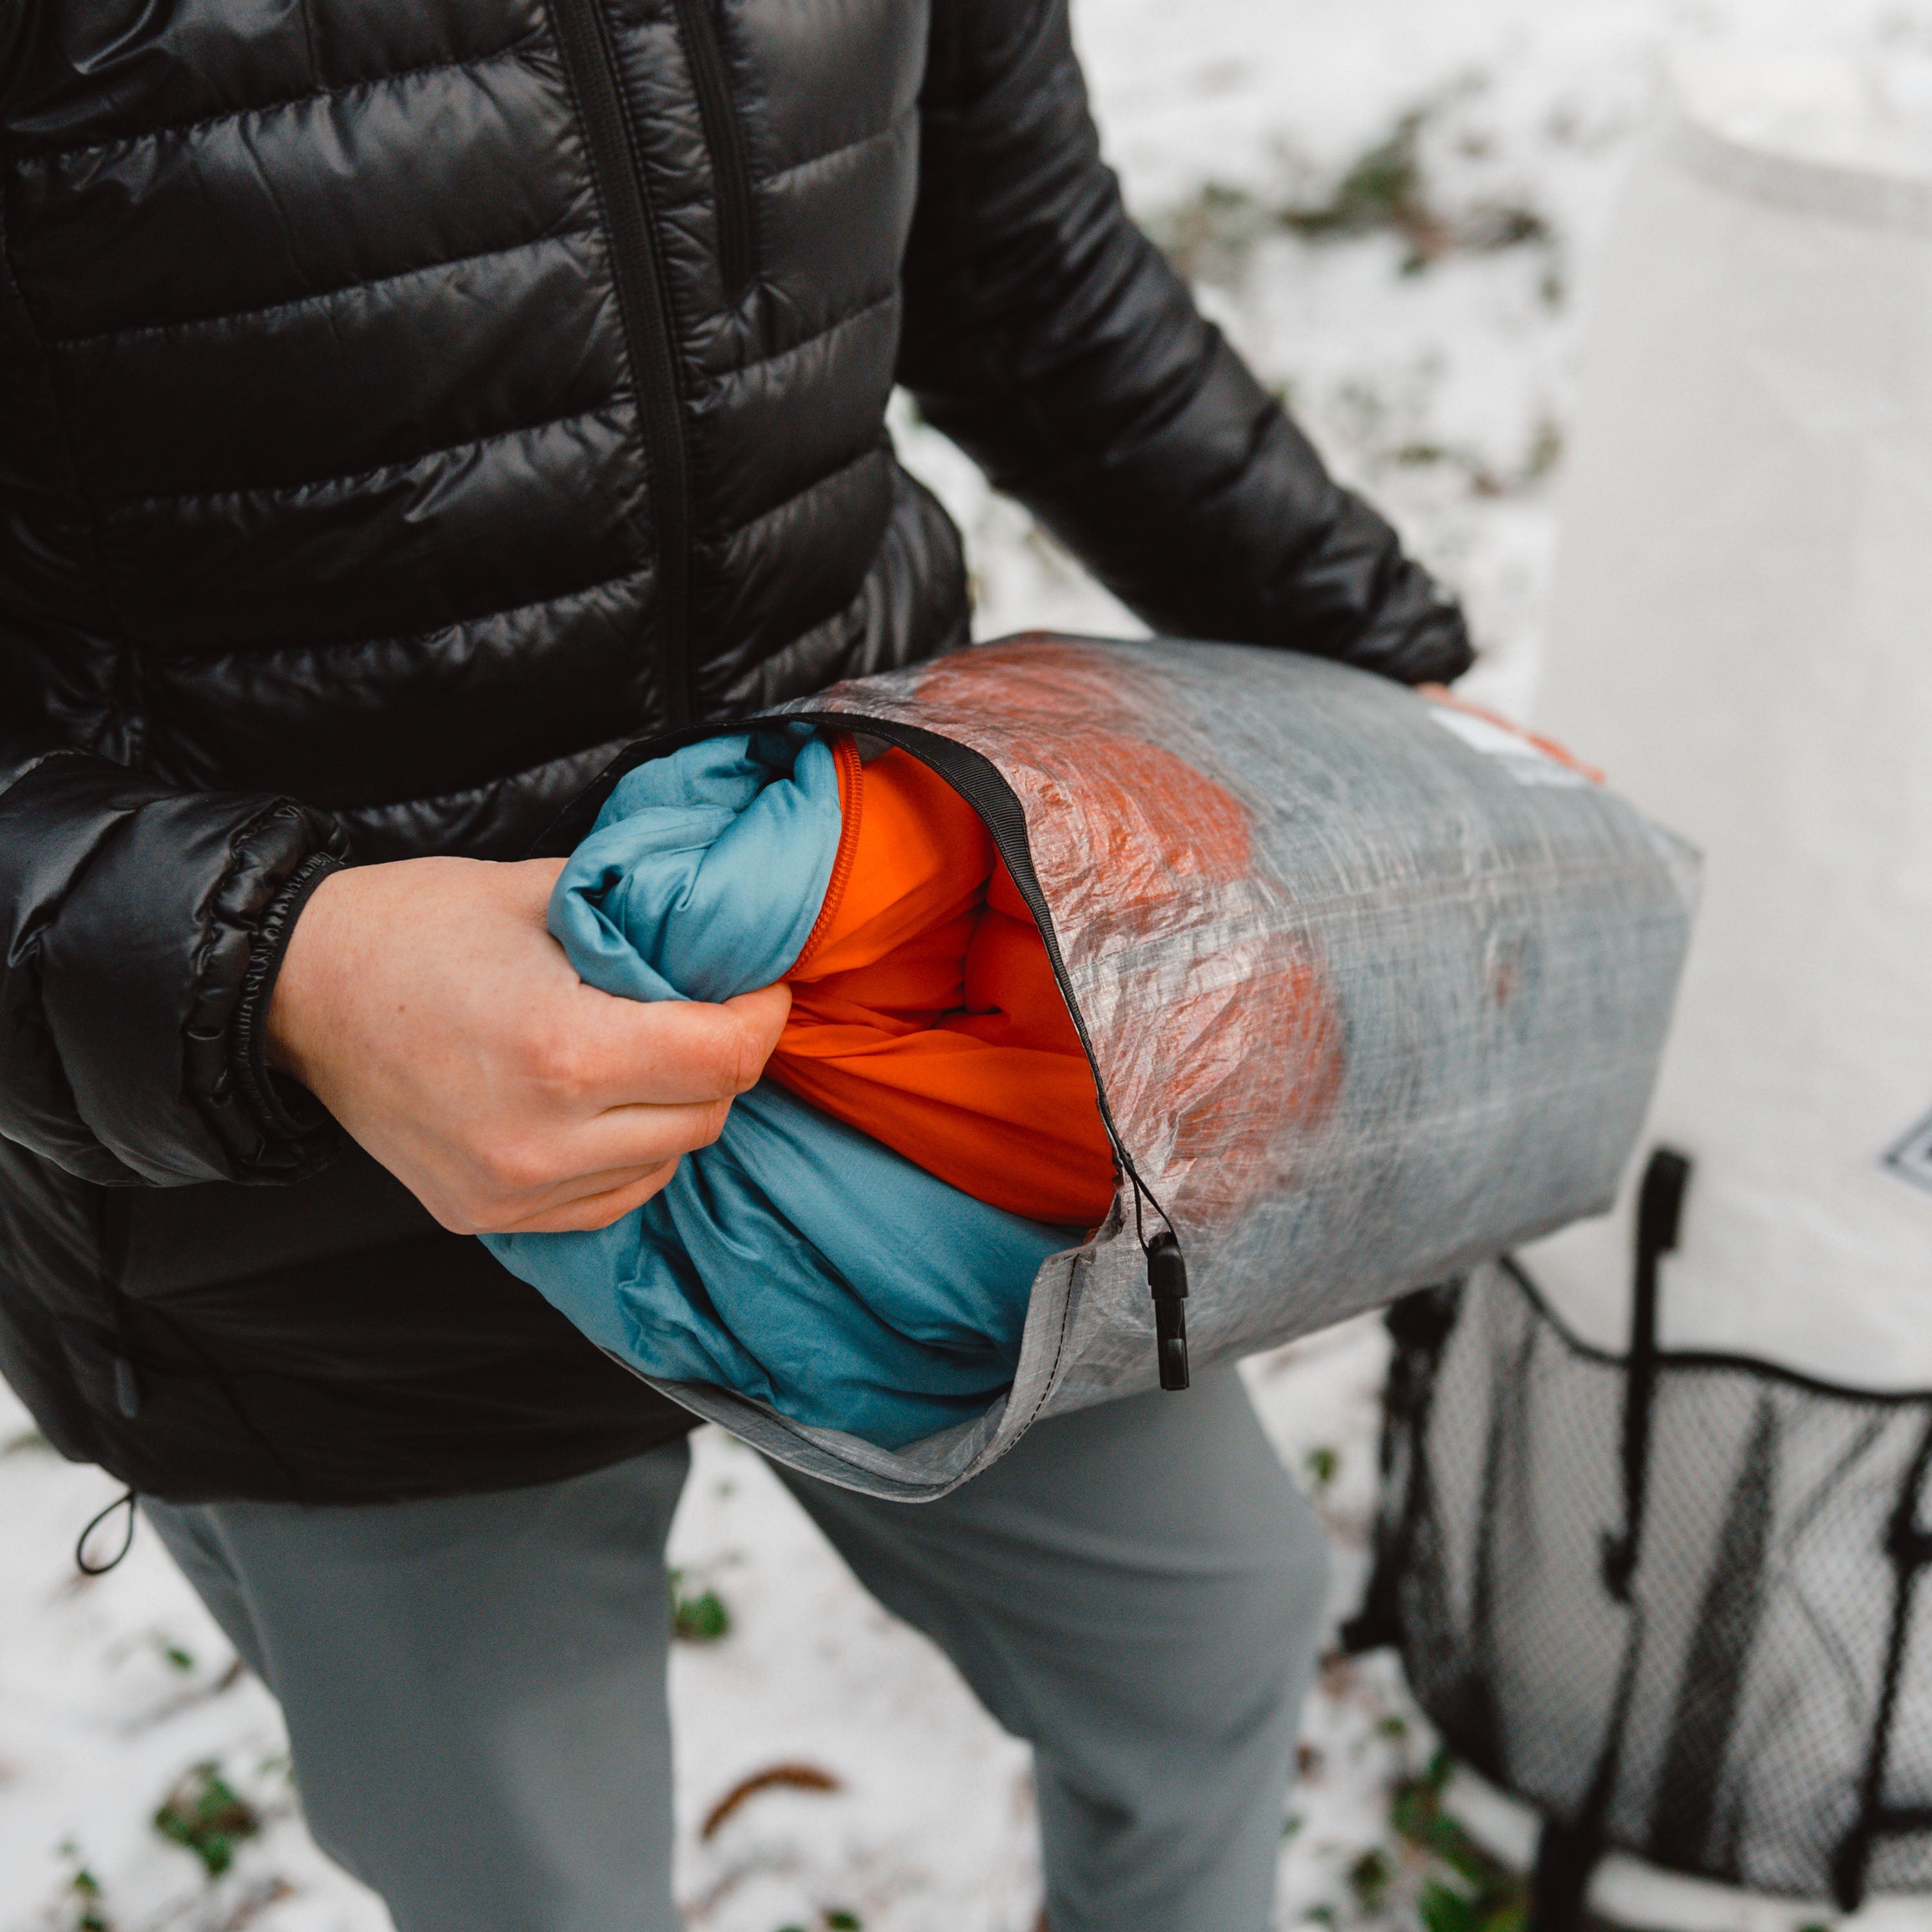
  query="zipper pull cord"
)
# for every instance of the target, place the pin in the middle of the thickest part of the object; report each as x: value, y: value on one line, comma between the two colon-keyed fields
x: 1167, y: 1282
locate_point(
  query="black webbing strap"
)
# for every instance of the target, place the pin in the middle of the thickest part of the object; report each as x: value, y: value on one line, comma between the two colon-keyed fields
x: 1660, y: 1211
x: 1566, y: 1858
x: 1909, y: 1546
x: 1569, y: 1850
x: 1418, y: 1326
x: 1685, y: 1830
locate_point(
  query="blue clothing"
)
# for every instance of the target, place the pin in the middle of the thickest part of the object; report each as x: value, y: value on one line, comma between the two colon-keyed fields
x: 796, y: 1260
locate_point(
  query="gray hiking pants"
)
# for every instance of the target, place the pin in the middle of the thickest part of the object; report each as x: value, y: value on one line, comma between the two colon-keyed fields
x: 475, y: 1686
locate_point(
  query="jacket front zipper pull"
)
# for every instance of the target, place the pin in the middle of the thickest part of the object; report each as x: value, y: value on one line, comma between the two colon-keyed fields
x: 1167, y: 1281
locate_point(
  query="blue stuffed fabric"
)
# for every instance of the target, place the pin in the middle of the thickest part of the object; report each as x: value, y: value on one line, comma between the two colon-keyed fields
x: 796, y: 1261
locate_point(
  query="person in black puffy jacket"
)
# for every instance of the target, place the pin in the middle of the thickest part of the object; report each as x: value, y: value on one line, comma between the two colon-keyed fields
x: 402, y: 406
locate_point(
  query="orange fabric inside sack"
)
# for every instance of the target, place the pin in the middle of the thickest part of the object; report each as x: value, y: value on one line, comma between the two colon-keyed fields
x: 925, y: 1012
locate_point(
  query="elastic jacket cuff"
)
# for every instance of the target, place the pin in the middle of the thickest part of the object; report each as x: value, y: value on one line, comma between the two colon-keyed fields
x: 287, y: 1110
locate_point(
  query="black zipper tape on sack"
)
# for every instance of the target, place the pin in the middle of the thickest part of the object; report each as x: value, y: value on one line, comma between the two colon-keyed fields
x: 982, y: 785
x: 723, y: 139
x: 643, y: 305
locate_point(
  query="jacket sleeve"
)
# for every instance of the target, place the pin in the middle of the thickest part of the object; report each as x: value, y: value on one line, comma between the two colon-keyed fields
x: 139, y: 927
x: 1048, y: 337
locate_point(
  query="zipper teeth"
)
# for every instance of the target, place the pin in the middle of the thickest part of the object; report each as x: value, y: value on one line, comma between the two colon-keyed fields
x: 720, y: 122
x: 591, y: 62
x: 1027, y: 880
x: 852, y: 797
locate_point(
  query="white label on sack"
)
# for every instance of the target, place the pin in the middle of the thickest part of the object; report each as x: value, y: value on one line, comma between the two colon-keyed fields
x: 1527, y: 764
x: 1911, y: 1159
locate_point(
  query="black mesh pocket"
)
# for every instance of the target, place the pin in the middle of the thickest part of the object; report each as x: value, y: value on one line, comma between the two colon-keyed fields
x: 1672, y: 1600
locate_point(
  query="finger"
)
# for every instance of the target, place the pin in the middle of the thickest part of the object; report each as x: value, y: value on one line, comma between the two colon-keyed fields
x: 1441, y: 694
x: 1562, y: 754
x: 523, y: 886
x: 475, y: 1210
x: 676, y: 1052
x: 594, y: 1210
x: 512, y: 1180
x: 606, y: 1150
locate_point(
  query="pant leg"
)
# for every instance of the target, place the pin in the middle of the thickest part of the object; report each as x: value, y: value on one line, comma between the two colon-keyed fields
x: 474, y: 1688
x: 1137, y: 1590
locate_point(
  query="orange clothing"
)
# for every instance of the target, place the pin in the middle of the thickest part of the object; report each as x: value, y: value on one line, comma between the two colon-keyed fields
x: 925, y: 1012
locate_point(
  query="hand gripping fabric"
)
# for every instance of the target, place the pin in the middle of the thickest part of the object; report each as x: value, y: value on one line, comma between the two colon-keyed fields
x: 1370, y: 991
x: 838, y: 1276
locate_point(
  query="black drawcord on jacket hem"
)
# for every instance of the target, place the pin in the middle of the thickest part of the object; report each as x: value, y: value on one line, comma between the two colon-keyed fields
x: 125, y: 1501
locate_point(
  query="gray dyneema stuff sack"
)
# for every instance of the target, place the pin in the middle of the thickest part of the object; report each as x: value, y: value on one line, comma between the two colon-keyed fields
x: 1372, y: 990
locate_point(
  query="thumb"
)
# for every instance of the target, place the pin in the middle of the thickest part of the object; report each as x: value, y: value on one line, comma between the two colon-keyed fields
x: 760, y: 1017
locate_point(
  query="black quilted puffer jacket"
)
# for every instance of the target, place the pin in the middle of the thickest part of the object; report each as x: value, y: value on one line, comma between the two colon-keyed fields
x: 404, y: 402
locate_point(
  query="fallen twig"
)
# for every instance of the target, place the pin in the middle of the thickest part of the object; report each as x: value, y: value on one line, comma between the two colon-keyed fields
x: 778, y: 1777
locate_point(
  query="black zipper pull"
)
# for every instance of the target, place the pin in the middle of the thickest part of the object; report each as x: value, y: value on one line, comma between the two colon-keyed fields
x: 1167, y: 1281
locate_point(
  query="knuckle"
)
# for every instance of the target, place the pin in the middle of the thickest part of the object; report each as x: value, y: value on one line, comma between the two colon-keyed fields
x: 472, y: 1208
x: 510, y: 1171
x: 556, y: 1057
x: 603, y: 1216
x: 743, y: 1058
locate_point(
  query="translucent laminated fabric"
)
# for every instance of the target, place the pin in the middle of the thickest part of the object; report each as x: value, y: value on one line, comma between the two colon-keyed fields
x: 1752, y: 1703
x: 1738, y: 622
x: 1371, y: 990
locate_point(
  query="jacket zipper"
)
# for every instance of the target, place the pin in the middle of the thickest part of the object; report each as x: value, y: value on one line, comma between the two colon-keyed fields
x: 698, y: 24
x: 643, y: 306
x: 979, y: 782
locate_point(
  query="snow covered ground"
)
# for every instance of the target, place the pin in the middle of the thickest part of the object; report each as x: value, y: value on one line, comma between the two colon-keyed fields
x: 1390, y: 206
